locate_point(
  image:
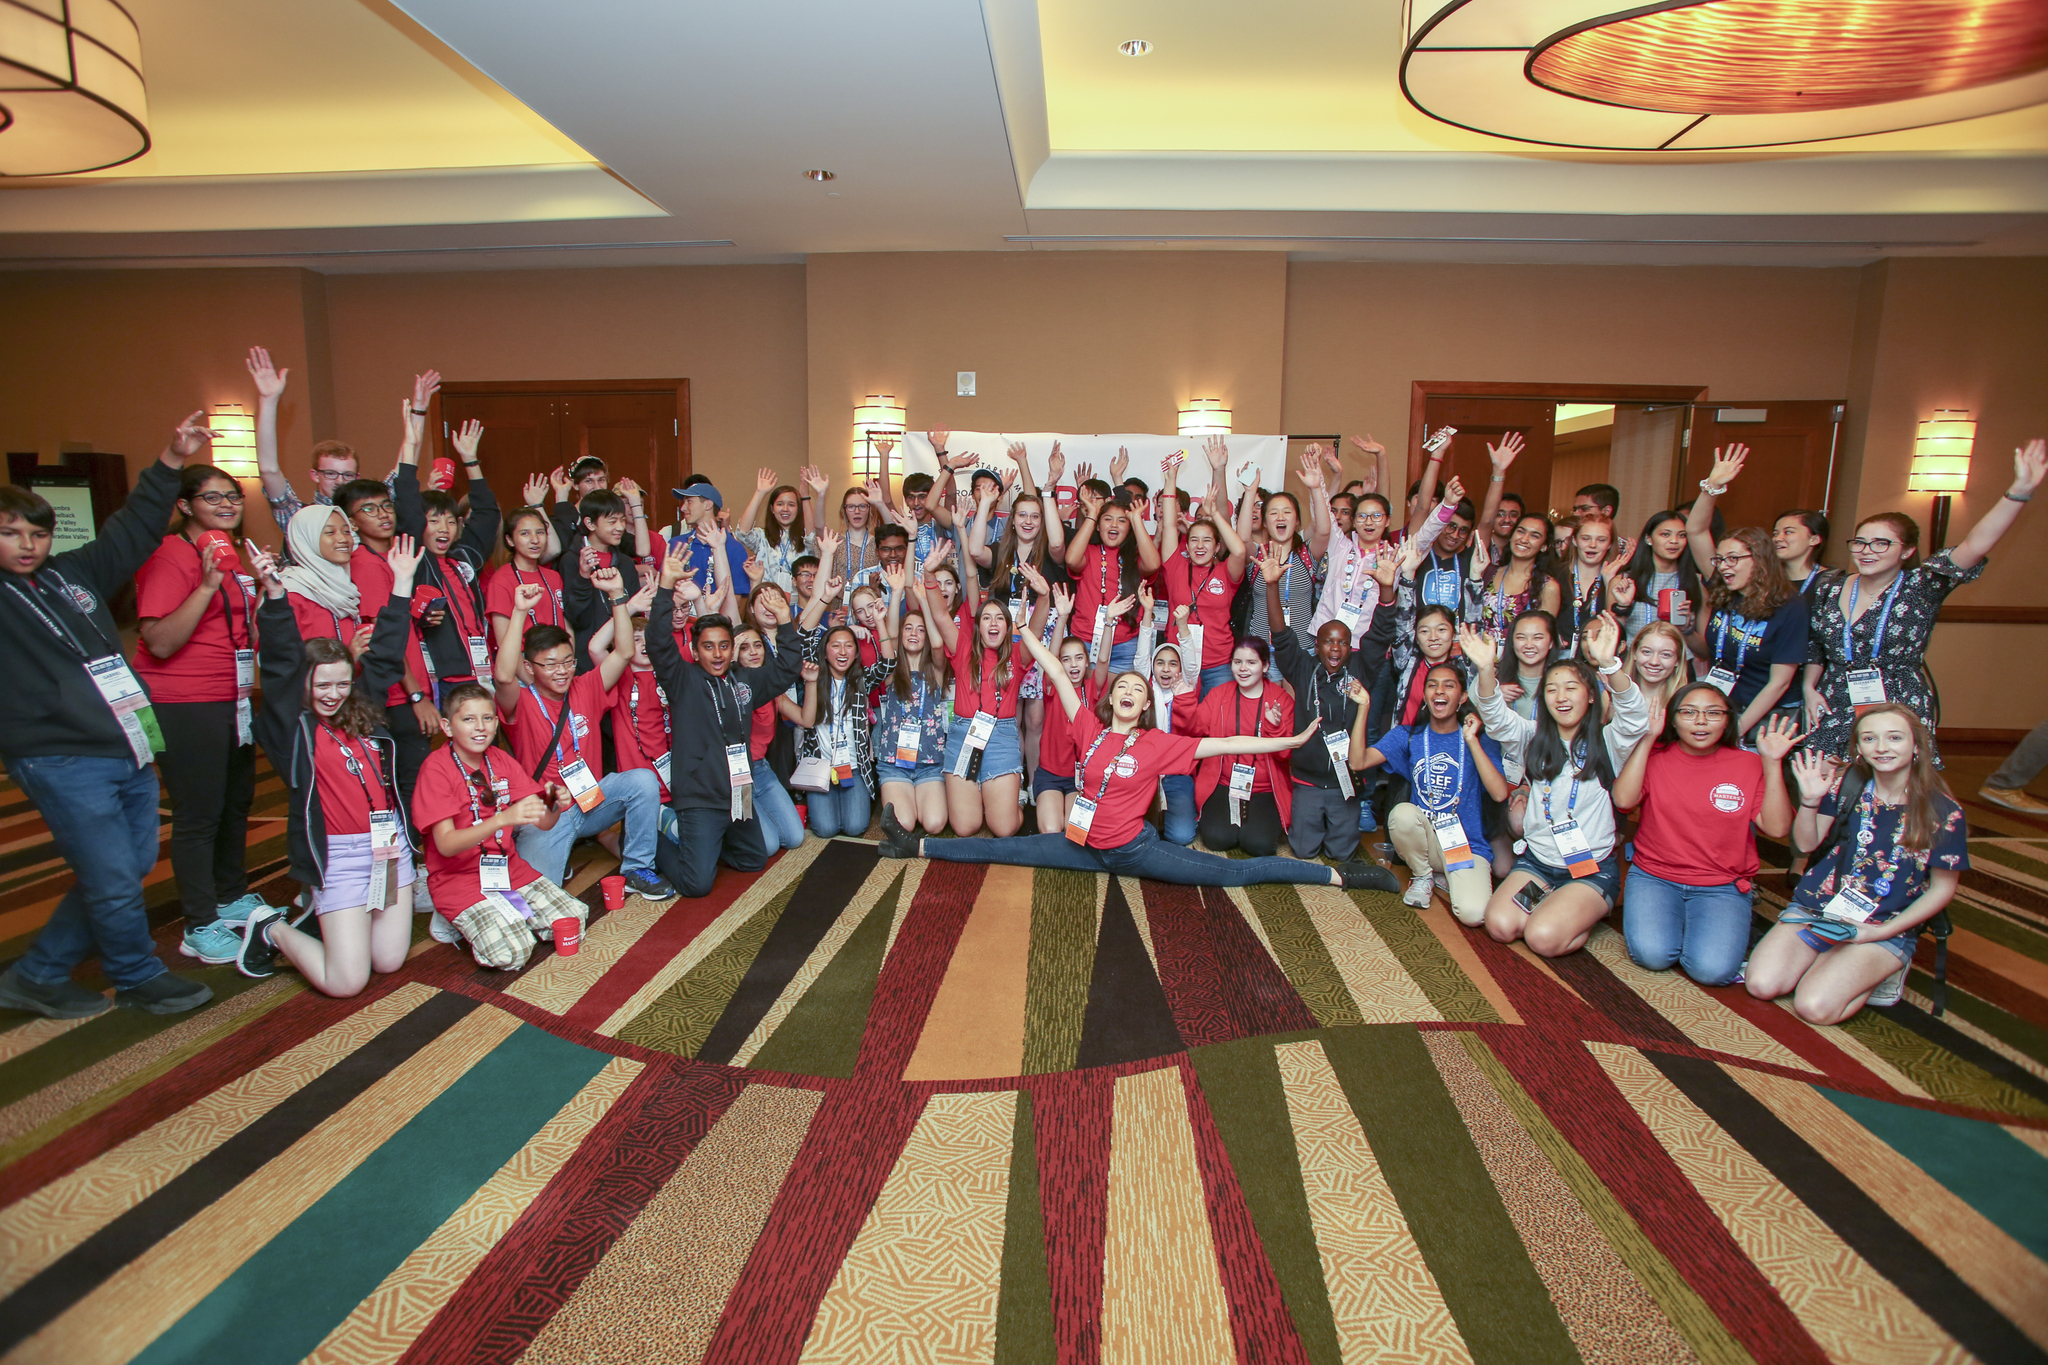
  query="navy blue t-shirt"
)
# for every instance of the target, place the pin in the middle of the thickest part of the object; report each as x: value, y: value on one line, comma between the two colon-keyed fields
x: 1749, y: 648
x: 1869, y: 853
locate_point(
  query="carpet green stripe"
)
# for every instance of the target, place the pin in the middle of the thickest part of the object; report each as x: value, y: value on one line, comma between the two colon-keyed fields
x: 1304, y: 957
x: 283, y: 1300
x: 2017, y: 1033
x: 103, y: 1037
x: 1024, y: 1310
x: 1980, y: 1163
x: 1062, y: 963
x: 1997, y: 928
x: 1687, y: 1311
x: 2018, y: 862
x: 821, y: 1035
x: 1241, y: 1082
x: 1942, y: 1074
x: 1423, y: 956
x: 1496, y: 1297
x: 681, y: 1018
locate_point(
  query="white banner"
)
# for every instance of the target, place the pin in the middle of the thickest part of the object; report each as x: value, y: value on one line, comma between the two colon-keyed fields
x: 1260, y: 460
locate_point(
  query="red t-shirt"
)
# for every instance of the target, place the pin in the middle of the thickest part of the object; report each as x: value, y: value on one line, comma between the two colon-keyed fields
x: 1132, y: 777
x: 762, y: 734
x: 533, y: 724
x: 1096, y: 585
x: 319, y: 623
x: 462, y: 614
x: 1696, y: 815
x: 372, y: 577
x: 967, y: 699
x: 347, y: 798
x: 203, y: 668
x: 1056, y: 751
x: 1208, y: 593
x: 640, y: 732
x: 498, y: 590
x: 443, y: 792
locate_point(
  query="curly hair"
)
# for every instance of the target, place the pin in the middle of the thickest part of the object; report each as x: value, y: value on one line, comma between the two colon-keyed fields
x: 357, y: 718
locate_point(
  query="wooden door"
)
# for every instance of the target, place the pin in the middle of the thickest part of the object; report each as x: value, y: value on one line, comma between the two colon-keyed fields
x: 522, y: 437
x: 1481, y: 422
x: 640, y: 428
x: 1791, y: 464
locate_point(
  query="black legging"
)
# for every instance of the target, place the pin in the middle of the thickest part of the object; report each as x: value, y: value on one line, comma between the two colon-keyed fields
x: 1147, y: 856
x: 210, y: 780
x: 1258, y: 836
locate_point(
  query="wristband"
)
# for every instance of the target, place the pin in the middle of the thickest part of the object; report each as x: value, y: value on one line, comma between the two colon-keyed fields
x: 1707, y: 487
x: 1608, y: 670
x: 1815, y: 806
x: 2020, y: 497
x: 419, y: 412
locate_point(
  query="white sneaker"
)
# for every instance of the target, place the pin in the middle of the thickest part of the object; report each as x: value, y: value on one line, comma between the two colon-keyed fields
x: 1890, y: 989
x: 1442, y: 883
x: 1419, y: 891
x: 442, y: 930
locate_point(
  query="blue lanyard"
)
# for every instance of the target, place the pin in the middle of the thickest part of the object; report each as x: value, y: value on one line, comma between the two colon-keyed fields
x: 1571, y: 805
x: 1458, y: 792
x: 1721, y: 641
x: 1884, y: 617
x: 562, y: 734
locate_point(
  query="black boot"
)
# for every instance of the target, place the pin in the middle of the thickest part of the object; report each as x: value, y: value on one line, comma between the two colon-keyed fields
x: 1363, y: 876
x: 897, y: 842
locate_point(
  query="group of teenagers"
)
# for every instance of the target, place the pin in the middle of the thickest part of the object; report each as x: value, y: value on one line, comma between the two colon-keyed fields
x: 436, y: 680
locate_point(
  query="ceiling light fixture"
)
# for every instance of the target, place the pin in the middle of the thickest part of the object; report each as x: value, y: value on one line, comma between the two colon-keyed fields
x: 821, y: 176
x: 71, y: 95
x: 1136, y: 47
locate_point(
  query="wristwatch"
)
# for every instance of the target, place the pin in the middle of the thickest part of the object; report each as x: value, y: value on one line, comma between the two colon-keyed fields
x: 415, y: 697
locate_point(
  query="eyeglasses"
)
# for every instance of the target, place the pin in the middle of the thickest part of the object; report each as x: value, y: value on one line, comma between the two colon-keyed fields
x: 1718, y: 560
x: 381, y: 505
x: 1694, y: 713
x: 1875, y: 544
x: 554, y: 665
x: 212, y: 499
x: 1372, y: 516
x: 334, y: 475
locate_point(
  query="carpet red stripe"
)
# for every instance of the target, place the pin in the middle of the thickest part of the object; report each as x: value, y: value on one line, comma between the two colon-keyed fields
x: 1072, y: 1113
x: 1581, y: 1101
x: 853, y: 1143
x: 1993, y: 989
x: 1795, y: 1037
x: 541, y: 1260
x: 1540, y: 1001
x: 911, y: 975
x: 1219, y: 981
x: 1263, y: 1328
x: 668, y: 936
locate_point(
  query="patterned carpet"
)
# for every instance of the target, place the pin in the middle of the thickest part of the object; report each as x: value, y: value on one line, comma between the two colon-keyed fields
x: 857, y: 1110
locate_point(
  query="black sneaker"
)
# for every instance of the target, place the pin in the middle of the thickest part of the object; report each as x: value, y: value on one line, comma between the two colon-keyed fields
x: 258, y: 958
x: 897, y: 842
x: 648, y: 885
x: 167, y: 993
x: 1359, y: 876
x: 64, y: 999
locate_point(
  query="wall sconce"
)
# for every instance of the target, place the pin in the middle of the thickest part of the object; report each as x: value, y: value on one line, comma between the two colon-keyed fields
x: 234, y: 448
x: 1941, y: 465
x: 1205, y: 417
x: 878, y: 415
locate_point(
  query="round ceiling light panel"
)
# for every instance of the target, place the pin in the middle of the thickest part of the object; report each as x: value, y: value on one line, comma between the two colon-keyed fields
x: 71, y: 92
x: 1695, y: 75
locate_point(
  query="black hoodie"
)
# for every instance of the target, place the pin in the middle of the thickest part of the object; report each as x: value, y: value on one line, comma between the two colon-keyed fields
x: 460, y: 570
x: 50, y: 705
x: 706, y: 714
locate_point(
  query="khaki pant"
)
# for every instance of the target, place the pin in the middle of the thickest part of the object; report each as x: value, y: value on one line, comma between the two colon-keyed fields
x: 1414, y: 838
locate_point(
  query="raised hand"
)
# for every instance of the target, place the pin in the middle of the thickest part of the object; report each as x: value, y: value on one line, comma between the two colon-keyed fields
x: 828, y: 546
x: 765, y: 479
x: 640, y: 601
x: 1355, y: 690
x: 808, y: 670
x: 630, y: 491
x: 819, y: 482
x: 1479, y: 648
x: 558, y: 479
x: 1145, y: 601
x: 1472, y: 727
x: 1055, y: 464
x: 1015, y: 450
x: 265, y: 565
x: 1062, y: 599
x: 1117, y: 466
x: 1815, y: 773
x: 608, y: 581
x: 1454, y: 492
x: 1216, y: 451
x: 883, y: 445
x: 1031, y: 576
x: 466, y: 438
x: 1601, y: 639
x: 1617, y: 557
x: 1369, y: 447
x: 2029, y: 466
x: 754, y: 569
x: 192, y: 436
x: 675, y: 568
x: 527, y: 596
x: 896, y: 578
x: 1012, y: 477
x: 1091, y: 501
x: 1411, y: 556
x: 1122, y: 605
x: 404, y: 557
x: 1503, y: 455
x: 964, y: 460
x: 1083, y: 472
x: 269, y: 381
x: 1333, y: 456
x: 424, y: 387
x: 1623, y: 589
x: 1779, y: 735
x: 688, y: 591
x: 1384, y: 569
x: 1311, y: 474
x: 359, y: 643
x: 534, y: 490
x: 1727, y: 464
x: 1271, y: 566
x: 938, y: 436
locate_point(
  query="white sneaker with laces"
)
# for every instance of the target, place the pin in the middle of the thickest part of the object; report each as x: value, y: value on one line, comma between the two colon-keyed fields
x: 1889, y: 990
x: 1419, y: 891
x: 442, y: 930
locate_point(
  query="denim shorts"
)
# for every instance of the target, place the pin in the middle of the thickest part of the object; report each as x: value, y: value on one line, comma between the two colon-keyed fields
x: 1607, y: 880
x: 1046, y: 780
x: 1900, y: 946
x: 1003, y: 757
x: 915, y: 777
x: 347, y: 883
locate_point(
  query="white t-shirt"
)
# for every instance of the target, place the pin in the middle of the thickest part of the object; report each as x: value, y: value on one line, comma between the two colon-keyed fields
x: 1594, y: 808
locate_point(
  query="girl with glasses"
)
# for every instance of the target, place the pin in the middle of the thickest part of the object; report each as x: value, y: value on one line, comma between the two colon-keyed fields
x: 1754, y: 630
x: 1869, y: 635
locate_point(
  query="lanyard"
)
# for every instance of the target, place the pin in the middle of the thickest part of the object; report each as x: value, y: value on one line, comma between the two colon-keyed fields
x: 1866, y: 834
x: 633, y: 705
x: 476, y: 814
x: 718, y: 706
x: 58, y: 626
x: 1458, y: 792
x: 842, y: 714
x: 1109, y: 768
x: 355, y: 769
x: 565, y: 733
x: 547, y: 594
x: 906, y: 710
x: 1208, y: 577
x: 1883, y: 619
x: 1315, y: 695
x: 1571, y: 802
x: 1721, y: 641
x: 1581, y: 600
x: 248, y: 640
x: 467, y: 611
x: 1258, y: 713
x: 981, y: 688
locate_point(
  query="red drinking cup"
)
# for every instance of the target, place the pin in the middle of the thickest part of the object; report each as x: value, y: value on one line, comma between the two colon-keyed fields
x: 614, y: 891
x: 568, y: 935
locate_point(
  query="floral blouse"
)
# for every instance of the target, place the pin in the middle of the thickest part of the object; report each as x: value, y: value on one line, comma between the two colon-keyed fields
x: 1904, y: 616
x: 1869, y: 855
x: 930, y: 707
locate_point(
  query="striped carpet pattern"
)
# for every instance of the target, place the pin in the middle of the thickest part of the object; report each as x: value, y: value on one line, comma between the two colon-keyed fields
x: 853, y: 1110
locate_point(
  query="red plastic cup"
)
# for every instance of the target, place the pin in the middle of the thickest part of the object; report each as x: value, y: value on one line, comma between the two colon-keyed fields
x: 568, y: 935
x: 220, y: 548
x: 1665, y: 599
x: 443, y: 476
x: 614, y: 891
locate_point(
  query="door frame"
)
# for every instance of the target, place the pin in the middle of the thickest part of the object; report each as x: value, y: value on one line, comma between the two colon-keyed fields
x: 1421, y: 391
x: 482, y: 387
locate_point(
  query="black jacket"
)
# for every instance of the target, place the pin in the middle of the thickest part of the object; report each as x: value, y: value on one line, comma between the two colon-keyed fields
x: 583, y: 606
x: 284, y: 727
x: 444, y: 643
x: 1312, y: 683
x: 706, y: 714
x: 50, y: 705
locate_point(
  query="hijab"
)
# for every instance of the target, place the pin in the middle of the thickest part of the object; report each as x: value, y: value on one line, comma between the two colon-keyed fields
x: 311, y: 576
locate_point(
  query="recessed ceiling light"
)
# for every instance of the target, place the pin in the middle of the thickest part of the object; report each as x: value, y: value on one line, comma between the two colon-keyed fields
x: 820, y: 175
x: 1136, y: 47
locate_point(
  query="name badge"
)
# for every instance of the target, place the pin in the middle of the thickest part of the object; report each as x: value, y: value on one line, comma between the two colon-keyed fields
x: 661, y: 768
x: 1020, y: 611
x: 479, y: 656
x: 1191, y: 640
x: 1100, y: 639
x: 1351, y: 614
x: 1440, y: 588
x: 1573, y: 848
x: 383, y: 834
x: 1723, y: 678
x: 1851, y: 903
x: 740, y: 768
x: 1240, y: 790
x: 245, y: 720
x: 909, y: 737
x: 979, y: 729
x: 117, y: 683
x: 576, y: 777
x: 1866, y: 687
x: 1080, y: 816
x: 494, y: 872
x: 245, y: 671
x: 1339, y: 745
x: 1450, y: 837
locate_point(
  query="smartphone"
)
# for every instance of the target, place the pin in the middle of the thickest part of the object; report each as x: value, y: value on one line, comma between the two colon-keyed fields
x: 1532, y: 893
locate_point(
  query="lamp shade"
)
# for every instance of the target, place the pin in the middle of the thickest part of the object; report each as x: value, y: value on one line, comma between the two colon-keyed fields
x: 1941, y: 452
x: 879, y: 414
x: 71, y: 94
x: 1205, y: 417
x: 234, y: 442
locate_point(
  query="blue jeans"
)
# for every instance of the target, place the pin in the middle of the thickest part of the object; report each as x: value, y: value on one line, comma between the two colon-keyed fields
x: 632, y: 797
x: 1123, y: 657
x: 1179, y: 791
x: 102, y: 817
x: 707, y: 836
x: 1704, y: 929
x: 774, y: 811
x: 842, y: 809
x: 1146, y: 856
x: 1212, y: 677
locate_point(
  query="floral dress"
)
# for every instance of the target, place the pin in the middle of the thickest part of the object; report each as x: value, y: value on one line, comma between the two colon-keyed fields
x: 1905, y: 621
x: 931, y: 708
x: 779, y: 558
